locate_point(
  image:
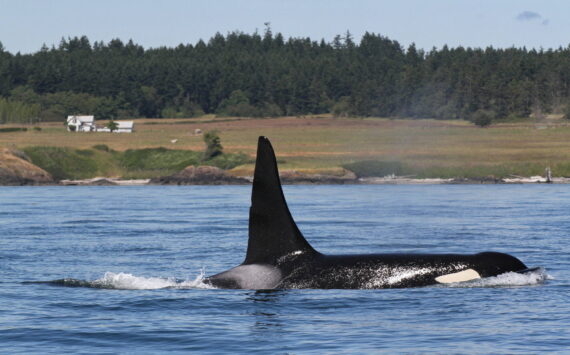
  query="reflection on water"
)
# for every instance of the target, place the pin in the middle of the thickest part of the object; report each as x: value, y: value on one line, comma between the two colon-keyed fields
x: 264, y: 311
x: 266, y: 295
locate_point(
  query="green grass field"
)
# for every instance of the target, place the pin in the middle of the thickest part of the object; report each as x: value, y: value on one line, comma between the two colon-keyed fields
x: 424, y: 148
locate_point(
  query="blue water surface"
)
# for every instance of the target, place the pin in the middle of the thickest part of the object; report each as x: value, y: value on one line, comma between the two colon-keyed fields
x: 136, y: 256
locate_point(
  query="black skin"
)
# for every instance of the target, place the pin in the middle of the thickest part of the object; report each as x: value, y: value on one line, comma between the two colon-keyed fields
x: 385, y: 270
x: 277, y: 248
x: 378, y: 271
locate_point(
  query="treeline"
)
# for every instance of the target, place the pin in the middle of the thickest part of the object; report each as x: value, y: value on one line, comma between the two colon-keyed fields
x: 18, y: 112
x: 267, y: 75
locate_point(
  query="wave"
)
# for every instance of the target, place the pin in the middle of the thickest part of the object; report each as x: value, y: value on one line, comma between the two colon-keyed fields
x: 125, y: 281
x: 508, y: 279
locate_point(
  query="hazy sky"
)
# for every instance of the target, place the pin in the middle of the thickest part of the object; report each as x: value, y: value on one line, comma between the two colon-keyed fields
x: 27, y: 24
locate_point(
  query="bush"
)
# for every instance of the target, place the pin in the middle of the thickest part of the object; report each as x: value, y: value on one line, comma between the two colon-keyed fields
x: 271, y: 110
x: 38, y: 129
x: 102, y: 147
x: 230, y: 161
x: 240, y: 110
x: 342, y: 107
x: 567, y: 112
x: 483, y: 118
x: 237, y: 105
x: 112, y: 125
x: 13, y: 129
x: 186, y: 110
x: 169, y: 112
x: 158, y: 159
x: 447, y: 112
x: 213, y: 145
x: 85, y: 152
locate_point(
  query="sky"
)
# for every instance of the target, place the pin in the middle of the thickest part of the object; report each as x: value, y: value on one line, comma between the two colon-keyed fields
x: 25, y: 25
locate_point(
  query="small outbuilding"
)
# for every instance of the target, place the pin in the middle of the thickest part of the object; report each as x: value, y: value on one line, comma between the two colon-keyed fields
x: 122, y: 127
x: 125, y: 126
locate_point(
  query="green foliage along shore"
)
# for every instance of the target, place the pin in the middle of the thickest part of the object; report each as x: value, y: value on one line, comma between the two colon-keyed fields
x: 68, y: 163
x: 267, y: 75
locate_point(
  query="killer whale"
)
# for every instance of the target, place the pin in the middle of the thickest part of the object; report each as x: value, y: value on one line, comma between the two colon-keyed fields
x: 278, y: 255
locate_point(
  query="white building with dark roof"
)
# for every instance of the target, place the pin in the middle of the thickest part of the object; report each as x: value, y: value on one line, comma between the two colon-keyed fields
x: 87, y: 124
x: 122, y: 127
x: 81, y: 124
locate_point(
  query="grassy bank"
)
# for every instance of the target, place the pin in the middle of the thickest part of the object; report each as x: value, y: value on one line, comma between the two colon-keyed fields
x: 424, y: 148
x: 100, y: 160
x: 374, y: 168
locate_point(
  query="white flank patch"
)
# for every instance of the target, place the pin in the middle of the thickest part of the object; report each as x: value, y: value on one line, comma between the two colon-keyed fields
x: 461, y: 276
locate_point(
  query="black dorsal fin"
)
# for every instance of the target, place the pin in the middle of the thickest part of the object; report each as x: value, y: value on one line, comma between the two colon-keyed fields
x: 272, y: 230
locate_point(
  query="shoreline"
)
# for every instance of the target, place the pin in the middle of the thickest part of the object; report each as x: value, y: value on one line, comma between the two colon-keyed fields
x: 106, y: 181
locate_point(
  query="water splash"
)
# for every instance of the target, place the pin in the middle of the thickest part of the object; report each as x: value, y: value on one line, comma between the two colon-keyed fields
x: 126, y: 281
x: 508, y: 279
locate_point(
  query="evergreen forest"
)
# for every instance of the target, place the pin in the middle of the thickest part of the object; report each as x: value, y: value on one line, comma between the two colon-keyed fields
x: 264, y: 74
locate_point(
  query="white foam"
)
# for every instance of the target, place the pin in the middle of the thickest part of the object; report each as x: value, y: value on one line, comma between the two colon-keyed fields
x: 507, y: 279
x: 125, y: 281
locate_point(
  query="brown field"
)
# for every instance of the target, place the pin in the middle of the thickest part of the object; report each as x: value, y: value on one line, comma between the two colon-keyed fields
x: 324, y: 142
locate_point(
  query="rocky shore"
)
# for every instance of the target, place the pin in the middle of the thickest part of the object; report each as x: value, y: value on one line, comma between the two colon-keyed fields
x: 17, y: 170
x: 200, y: 175
x: 207, y: 175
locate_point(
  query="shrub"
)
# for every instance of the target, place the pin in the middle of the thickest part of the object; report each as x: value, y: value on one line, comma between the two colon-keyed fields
x: 158, y: 159
x: 271, y: 110
x: 241, y: 110
x: 342, y: 107
x: 38, y: 129
x: 567, y: 112
x: 237, y: 105
x: 169, y: 112
x: 102, y: 147
x: 85, y: 152
x: 230, y: 161
x: 483, y: 118
x: 186, y: 110
x: 13, y: 129
x: 112, y: 125
x: 213, y: 145
x: 447, y: 112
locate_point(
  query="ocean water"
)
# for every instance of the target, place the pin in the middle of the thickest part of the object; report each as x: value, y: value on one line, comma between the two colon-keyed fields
x: 103, y: 270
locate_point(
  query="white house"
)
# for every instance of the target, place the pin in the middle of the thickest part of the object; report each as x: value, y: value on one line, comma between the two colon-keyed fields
x: 122, y: 127
x: 81, y: 123
x: 125, y: 126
